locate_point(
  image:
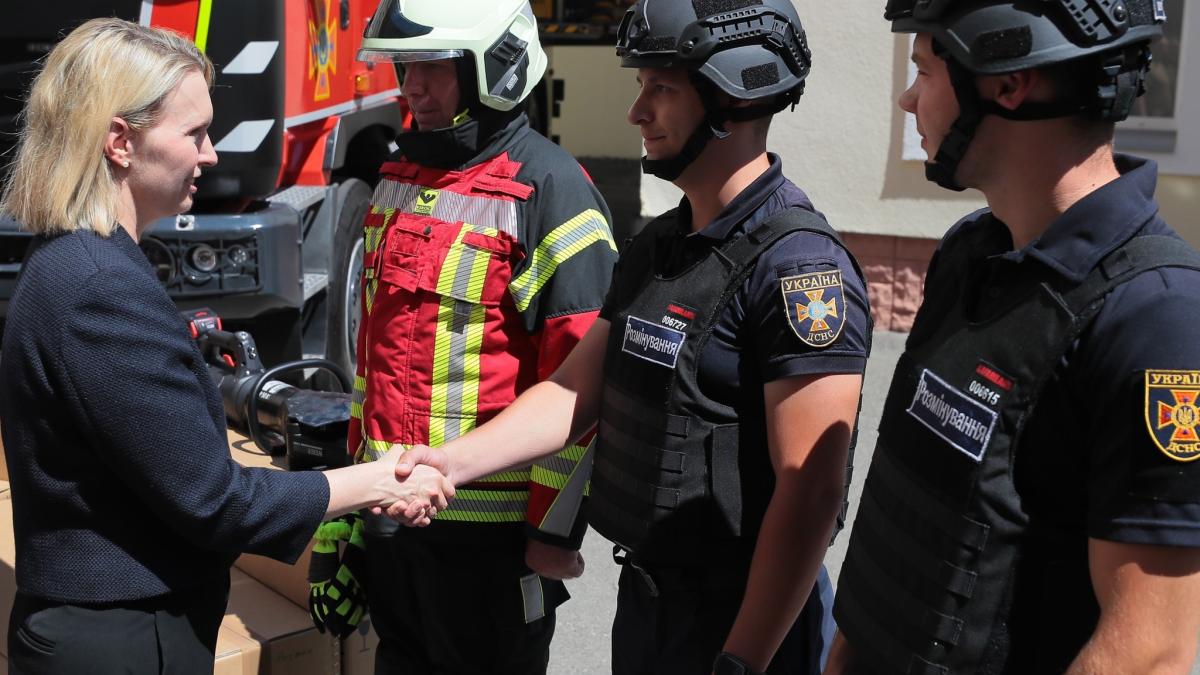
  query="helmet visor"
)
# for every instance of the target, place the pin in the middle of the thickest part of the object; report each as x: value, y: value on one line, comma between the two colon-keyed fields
x: 389, y: 23
x: 390, y: 56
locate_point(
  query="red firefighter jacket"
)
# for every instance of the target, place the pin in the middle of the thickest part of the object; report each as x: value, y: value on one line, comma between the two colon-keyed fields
x: 477, y: 283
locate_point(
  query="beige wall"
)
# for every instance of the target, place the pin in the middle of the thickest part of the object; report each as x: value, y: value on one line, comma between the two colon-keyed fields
x: 843, y: 142
x: 598, y: 92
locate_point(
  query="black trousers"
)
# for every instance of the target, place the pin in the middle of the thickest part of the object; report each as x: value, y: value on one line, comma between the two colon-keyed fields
x: 171, y: 635
x: 682, y: 629
x: 457, y: 598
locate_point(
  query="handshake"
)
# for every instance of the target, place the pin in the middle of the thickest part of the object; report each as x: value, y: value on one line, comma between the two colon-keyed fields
x: 423, y: 485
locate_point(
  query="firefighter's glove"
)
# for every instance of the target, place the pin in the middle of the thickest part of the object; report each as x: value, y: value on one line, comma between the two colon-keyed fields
x: 337, y: 600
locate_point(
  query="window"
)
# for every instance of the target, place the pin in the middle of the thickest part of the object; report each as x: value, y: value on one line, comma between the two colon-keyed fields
x: 1156, y: 127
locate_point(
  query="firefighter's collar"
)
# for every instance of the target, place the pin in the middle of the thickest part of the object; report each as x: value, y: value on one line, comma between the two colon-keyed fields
x: 457, y: 145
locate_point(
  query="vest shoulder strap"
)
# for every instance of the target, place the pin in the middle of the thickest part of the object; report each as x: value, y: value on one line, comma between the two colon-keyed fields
x: 1138, y: 255
x: 745, y: 250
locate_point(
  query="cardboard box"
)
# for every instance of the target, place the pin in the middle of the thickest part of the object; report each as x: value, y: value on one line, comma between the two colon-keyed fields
x: 236, y: 654
x: 290, y: 581
x: 246, y: 453
x: 4, y: 490
x: 290, y: 645
x: 3, y: 463
x: 358, y: 650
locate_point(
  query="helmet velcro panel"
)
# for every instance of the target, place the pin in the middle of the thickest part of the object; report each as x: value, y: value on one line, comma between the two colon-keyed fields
x: 1008, y: 43
x: 658, y: 43
x: 757, y: 77
x: 705, y: 8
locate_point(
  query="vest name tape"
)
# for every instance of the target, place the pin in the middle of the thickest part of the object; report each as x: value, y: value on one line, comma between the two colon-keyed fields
x: 652, y: 342
x: 953, y: 415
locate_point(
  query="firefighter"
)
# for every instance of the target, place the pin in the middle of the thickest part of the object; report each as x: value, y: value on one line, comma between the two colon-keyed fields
x: 487, y: 254
x: 1033, y: 505
x: 725, y: 369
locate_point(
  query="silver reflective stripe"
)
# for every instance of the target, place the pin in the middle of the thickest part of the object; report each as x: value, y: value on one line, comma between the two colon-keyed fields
x: 531, y: 592
x: 464, y: 313
x: 450, y: 207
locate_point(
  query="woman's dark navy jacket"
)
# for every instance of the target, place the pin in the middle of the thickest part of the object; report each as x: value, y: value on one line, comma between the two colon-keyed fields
x: 122, y: 483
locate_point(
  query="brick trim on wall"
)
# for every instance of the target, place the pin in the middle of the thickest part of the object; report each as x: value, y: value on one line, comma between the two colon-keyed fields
x: 895, y: 270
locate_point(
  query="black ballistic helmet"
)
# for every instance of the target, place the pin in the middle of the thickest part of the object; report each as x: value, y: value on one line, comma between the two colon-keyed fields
x: 752, y: 50
x: 1108, y: 40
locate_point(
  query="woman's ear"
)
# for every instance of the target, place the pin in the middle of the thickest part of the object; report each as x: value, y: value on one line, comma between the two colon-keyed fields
x: 118, y: 145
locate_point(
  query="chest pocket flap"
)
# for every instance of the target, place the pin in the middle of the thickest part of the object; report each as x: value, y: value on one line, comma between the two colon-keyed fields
x: 462, y: 261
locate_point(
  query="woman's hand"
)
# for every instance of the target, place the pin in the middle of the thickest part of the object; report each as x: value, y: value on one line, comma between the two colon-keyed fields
x: 417, y: 489
x: 424, y: 468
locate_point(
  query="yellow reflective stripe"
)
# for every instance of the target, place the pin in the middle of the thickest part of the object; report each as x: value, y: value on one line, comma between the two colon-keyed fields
x: 554, y: 472
x: 375, y: 449
x: 358, y: 397
x: 564, y: 241
x: 372, y: 237
x: 202, y: 22
x: 487, y: 506
x: 519, y: 476
x: 454, y: 400
x: 369, y: 296
x: 465, y: 270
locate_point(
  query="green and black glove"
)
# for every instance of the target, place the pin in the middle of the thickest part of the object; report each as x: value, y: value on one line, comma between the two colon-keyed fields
x: 337, y: 600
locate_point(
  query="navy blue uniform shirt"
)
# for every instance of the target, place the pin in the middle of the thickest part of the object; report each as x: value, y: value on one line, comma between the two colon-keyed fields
x: 1088, y: 464
x: 1091, y: 421
x: 753, y: 342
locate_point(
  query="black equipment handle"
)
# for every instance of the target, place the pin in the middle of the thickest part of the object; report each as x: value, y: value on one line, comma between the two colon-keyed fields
x: 252, y: 424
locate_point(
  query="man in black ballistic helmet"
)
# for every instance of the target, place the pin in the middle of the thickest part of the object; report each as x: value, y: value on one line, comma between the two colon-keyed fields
x: 1033, y: 505
x: 725, y: 368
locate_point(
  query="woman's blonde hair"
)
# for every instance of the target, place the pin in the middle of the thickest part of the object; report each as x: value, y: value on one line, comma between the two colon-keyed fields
x: 60, y: 180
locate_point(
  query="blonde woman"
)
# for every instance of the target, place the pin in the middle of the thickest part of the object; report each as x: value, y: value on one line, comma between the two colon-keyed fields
x: 128, y: 509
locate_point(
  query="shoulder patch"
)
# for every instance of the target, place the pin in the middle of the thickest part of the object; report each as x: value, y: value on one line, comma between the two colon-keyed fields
x: 815, y: 306
x: 1172, y: 414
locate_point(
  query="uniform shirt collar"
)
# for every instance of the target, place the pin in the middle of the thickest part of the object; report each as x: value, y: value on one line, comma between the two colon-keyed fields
x: 1097, y: 224
x: 742, y: 206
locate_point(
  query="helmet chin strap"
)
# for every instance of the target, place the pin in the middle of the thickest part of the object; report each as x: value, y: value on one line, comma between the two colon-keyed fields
x: 1123, y: 80
x: 954, y: 146
x: 711, y: 127
x: 673, y: 167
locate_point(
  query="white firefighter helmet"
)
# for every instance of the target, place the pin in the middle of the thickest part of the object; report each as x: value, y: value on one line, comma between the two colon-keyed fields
x: 500, y: 36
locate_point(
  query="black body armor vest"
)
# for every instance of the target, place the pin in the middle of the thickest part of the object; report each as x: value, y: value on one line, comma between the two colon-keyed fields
x: 670, y: 481
x: 926, y: 585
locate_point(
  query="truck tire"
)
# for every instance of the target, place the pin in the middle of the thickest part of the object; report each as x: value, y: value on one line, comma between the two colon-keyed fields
x: 344, y: 301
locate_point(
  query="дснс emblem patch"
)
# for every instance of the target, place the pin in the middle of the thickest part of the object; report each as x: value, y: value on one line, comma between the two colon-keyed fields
x: 815, y: 306
x: 1172, y: 414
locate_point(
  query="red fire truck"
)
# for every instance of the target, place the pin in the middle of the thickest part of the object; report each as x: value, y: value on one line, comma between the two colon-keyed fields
x: 273, y: 243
